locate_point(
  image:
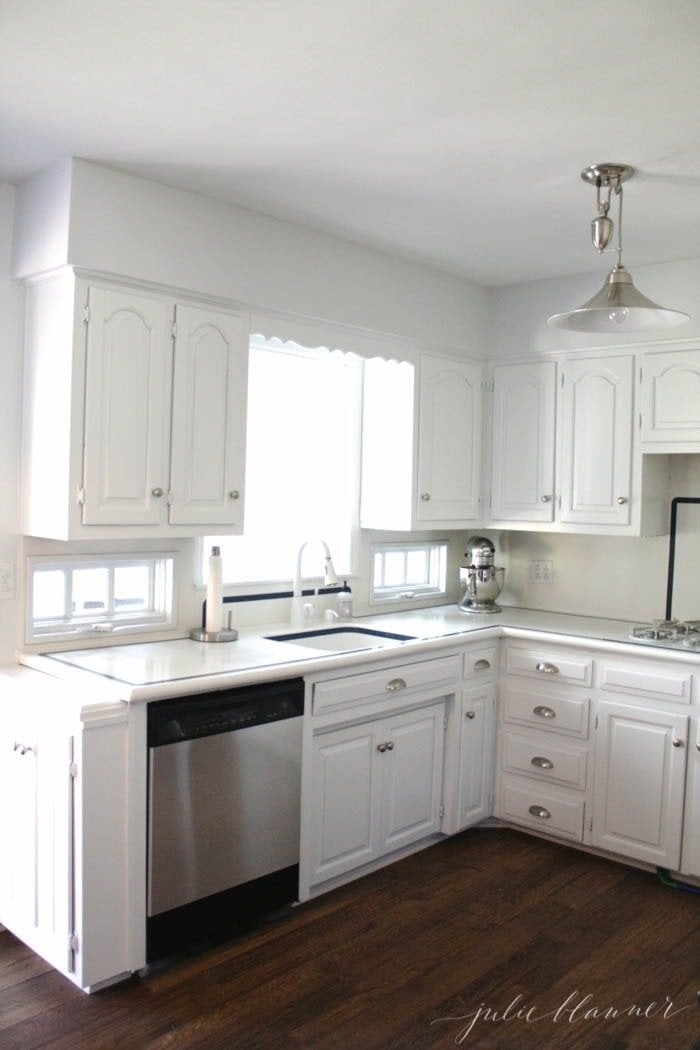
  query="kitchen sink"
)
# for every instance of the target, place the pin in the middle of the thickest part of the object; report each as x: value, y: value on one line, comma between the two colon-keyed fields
x: 341, y: 639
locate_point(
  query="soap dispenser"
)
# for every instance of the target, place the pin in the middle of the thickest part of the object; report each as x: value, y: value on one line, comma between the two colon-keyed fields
x: 345, y: 602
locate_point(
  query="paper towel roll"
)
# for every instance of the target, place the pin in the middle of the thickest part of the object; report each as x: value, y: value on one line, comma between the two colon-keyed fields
x: 215, y: 593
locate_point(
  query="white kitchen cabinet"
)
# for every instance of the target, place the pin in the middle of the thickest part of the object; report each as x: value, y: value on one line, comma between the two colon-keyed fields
x: 594, y: 478
x: 544, y: 778
x: 134, y: 420
x: 476, y: 758
x: 421, y: 448
x: 375, y: 788
x: 36, y: 829
x: 640, y: 759
x: 67, y: 886
x: 595, y: 441
x: 670, y: 401
x: 522, y: 427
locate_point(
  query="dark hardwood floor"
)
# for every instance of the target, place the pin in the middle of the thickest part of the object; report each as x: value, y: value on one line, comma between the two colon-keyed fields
x: 491, y: 939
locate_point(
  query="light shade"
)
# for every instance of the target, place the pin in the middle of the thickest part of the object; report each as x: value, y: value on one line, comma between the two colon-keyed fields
x: 618, y: 307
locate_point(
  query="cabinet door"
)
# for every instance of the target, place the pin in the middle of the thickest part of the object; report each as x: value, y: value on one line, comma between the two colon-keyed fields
x: 36, y: 875
x: 522, y: 487
x: 639, y: 781
x: 449, y: 441
x: 208, y: 418
x: 344, y: 802
x: 127, y: 408
x: 671, y: 397
x: 595, y: 441
x: 409, y: 757
x: 476, y: 756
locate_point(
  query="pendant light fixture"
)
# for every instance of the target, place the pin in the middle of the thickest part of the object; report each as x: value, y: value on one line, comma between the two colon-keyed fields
x: 618, y: 306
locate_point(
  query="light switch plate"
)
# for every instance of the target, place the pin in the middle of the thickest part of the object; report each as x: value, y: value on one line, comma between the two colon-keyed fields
x: 7, y: 580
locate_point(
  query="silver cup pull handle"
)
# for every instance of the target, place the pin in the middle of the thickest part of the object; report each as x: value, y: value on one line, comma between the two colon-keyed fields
x: 546, y: 668
x: 542, y: 711
x: 395, y: 685
x: 540, y: 762
x: 540, y: 812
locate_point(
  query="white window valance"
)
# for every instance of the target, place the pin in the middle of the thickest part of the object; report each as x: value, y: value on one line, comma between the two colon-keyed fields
x: 313, y: 334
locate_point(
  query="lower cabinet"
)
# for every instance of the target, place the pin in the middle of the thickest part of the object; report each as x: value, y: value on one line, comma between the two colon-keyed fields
x: 376, y: 788
x: 640, y: 762
x: 36, y: 828
x: 67, y: 883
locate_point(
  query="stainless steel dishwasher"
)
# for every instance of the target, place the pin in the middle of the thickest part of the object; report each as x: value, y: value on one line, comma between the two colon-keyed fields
x: 223, y: 810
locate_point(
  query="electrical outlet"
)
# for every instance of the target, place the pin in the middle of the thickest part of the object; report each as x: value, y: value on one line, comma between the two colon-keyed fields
x: 541, y: 572
x: 7, y: 580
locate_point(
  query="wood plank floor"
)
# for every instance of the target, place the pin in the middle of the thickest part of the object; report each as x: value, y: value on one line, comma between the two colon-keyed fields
x: 491, y: 939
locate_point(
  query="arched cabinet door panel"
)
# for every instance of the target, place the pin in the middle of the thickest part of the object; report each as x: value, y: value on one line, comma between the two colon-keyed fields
x: 449, y: 441
x: 670, y: 393
x: 595, y: 440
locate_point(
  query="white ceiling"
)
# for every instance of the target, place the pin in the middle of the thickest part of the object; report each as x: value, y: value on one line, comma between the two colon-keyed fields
x: 450, y: 132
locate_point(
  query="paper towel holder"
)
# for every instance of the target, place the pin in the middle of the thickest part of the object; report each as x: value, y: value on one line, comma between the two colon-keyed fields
x: 226, y: 634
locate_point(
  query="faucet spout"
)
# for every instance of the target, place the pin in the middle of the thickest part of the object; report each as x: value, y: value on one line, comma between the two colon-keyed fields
x: 330, y: 579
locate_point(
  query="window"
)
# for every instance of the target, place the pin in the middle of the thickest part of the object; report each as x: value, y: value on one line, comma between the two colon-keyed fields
x: 401, y: 571
x: 302, y: 463
x: 101, y: 594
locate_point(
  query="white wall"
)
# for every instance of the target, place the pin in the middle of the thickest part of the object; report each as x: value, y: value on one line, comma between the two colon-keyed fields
x: 11, y: 299
x: 125, y: 225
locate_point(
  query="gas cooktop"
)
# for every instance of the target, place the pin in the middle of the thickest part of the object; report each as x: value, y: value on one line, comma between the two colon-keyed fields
x: 671, y: 634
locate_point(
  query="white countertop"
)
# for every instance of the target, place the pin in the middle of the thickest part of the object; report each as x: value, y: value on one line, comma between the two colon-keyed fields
x: 153, y: 670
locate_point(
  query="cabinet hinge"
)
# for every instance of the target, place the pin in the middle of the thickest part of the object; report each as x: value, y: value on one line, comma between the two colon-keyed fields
x: 81, y: 495
x: 441, y: 812
x: 73, y: 770
x: 640, y: 420
x: 86, y: 314
x: 640, y: 373
x: 73, y: 942
x: 444, y: 723
x: 562, y: 379
x: 173, y: 330
x: 590, y: 824
x: 596, y: 722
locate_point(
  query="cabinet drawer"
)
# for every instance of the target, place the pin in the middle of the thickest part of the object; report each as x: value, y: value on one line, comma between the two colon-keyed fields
x: 658, y: 683
x: 549, y: 665
x: 552, y: 712
x: 546, y: 758
x: 546, y: 808
x: 478, y: 663
x: 388, y: 683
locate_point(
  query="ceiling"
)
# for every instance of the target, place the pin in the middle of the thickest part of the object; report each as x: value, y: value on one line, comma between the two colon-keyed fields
x: 450, y: 132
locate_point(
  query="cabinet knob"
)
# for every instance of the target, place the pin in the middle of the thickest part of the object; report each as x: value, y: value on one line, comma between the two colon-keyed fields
x: 676, y: 742
x: 157, y: 492
x: 546, y: 499
x: 482, y: 665
x: 23, y: 749
x: 539, y: 762
x: 545, y: 668
x: 470, y: 714
x: 234, y: 494
x: 540, y: 812
x: 425, y: 496
x: 621, y: 500
x: 395, y: 685
x: 544, y: 712
x: 381, y: 747
x: 390, y: 745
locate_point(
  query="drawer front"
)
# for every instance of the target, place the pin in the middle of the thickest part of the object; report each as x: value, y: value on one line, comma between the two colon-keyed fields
x: 388, y: 683
x: 546, y: 808
x: 549, y: 711
x: 546, y: 758
x: 658, y: 683
x: 479, y: 663
x: 550, y: 666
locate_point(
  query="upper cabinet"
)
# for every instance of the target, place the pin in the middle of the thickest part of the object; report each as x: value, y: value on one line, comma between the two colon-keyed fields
x: 584, y: 472
x: 134, y: 413
x: 523, y: 442
x: 421, y: 448
x: 595, y: 440
x: 670, y: 401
